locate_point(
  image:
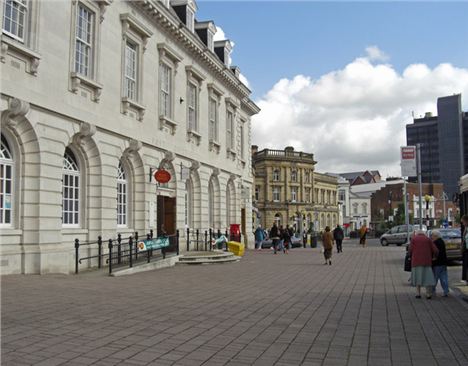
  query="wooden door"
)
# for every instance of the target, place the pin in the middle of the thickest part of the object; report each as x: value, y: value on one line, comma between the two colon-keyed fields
x: 166, y: 215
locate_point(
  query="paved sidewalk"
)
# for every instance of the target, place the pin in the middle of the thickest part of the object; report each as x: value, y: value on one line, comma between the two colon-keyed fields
x: 264, y: 310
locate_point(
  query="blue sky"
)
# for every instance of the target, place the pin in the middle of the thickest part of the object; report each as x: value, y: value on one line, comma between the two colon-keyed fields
x: 275, y: 39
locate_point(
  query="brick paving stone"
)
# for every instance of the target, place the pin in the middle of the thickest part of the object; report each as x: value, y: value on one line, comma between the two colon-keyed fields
x: 264, y: 310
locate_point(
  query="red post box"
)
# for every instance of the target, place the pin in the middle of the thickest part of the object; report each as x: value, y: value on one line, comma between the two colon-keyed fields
x: 234, y: 232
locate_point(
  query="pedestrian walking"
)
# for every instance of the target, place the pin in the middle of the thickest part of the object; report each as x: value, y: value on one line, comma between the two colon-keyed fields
x: 338, y: 235
x: 327, y: 242
x: 439, y: 264
x: 464, y: 249
x: 422, y: 250
x: 286, y: 238
x: 274, y: 236
x: 362, y: 235
x: 259, y: 237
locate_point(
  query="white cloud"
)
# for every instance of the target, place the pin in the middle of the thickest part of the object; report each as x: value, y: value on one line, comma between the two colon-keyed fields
x: 353, y: 118
x: 374, y: 53
x: 219, y: 35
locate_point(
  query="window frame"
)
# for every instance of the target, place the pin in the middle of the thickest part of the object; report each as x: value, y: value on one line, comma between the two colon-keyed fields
x: 7, y: 162
x: 133, y: 48
x: 294, y: 175
x: 229, y: 129
x: 90, y: 45
x: 122, y: 197
x: 26, y: 16
x: 276, y: 176
x: 24, y: 49
x: 294, y: 194
x: 169, y: 93
x: 213, y: 128
x: 192, y: 106
x: 133, y: 32
x: 276, y: 191
x: 76, y: 178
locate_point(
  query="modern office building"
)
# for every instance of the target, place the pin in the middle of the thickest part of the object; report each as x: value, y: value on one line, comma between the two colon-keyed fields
x: 444, y: 143
x: 95, y: 97
x: 289, y: 191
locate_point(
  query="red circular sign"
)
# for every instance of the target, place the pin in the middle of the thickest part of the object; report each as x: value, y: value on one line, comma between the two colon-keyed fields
x: 162, y: 176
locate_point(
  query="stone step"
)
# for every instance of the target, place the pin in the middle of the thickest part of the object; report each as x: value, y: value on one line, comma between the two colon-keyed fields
x: 209, y: 261
x: 208, y: 258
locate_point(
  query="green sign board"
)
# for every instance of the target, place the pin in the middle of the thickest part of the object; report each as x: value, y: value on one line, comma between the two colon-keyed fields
x: 153, y: 244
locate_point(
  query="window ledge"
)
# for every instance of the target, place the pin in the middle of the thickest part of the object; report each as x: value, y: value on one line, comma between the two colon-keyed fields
x: 215, y: 146
x: 73, y: 230
x: 165, y: 122
x: 78, y: 80
x: 193, y: 135
x: 20, y: 49
x: 231, y: 154
x: 128, y: 104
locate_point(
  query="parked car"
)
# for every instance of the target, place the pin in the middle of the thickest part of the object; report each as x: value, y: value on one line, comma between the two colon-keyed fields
x: 453, y: 242
x: 397, y: 235
x: 295, y: 242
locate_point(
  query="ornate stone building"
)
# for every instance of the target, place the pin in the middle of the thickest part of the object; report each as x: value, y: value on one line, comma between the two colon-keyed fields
x: 95, y: 96
x: 289, y: 191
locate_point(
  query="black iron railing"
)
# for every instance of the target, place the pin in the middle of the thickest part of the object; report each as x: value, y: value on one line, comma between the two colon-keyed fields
x: 123, y: 251
x: 198, y: 240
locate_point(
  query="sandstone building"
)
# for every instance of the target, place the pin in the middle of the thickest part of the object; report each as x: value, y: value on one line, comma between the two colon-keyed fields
x: 96, y: 95
x: 289, y: 191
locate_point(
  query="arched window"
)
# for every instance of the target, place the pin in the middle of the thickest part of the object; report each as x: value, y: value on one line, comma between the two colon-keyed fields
x: 122, y: 197
x: 70, y: 190
x: 6, y: 184
x: 211, y: 208
x: 188, y: 204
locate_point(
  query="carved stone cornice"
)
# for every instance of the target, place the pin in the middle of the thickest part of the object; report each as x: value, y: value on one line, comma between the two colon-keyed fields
x: 161, y: 15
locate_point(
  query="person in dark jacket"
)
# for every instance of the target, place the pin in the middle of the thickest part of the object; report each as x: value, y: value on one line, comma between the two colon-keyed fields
x: 464, y: 249
x: 338, y: 235
x: 274, y: 236
x: 286, y: 237
x: 439, y: 264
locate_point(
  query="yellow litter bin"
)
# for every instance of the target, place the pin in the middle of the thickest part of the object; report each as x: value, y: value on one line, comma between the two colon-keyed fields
x: 236, y: 248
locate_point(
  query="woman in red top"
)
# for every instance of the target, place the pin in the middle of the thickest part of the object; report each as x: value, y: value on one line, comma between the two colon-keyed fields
x: 422, y: 250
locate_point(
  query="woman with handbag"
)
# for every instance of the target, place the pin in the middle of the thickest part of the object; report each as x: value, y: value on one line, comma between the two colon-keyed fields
x: 422, y: 251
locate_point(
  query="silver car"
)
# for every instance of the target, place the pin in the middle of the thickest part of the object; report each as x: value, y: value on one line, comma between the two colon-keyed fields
x: 398, y: 235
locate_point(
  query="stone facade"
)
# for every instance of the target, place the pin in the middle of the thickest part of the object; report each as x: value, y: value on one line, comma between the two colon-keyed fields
x: 85, y: 130
x: 289, y: 191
